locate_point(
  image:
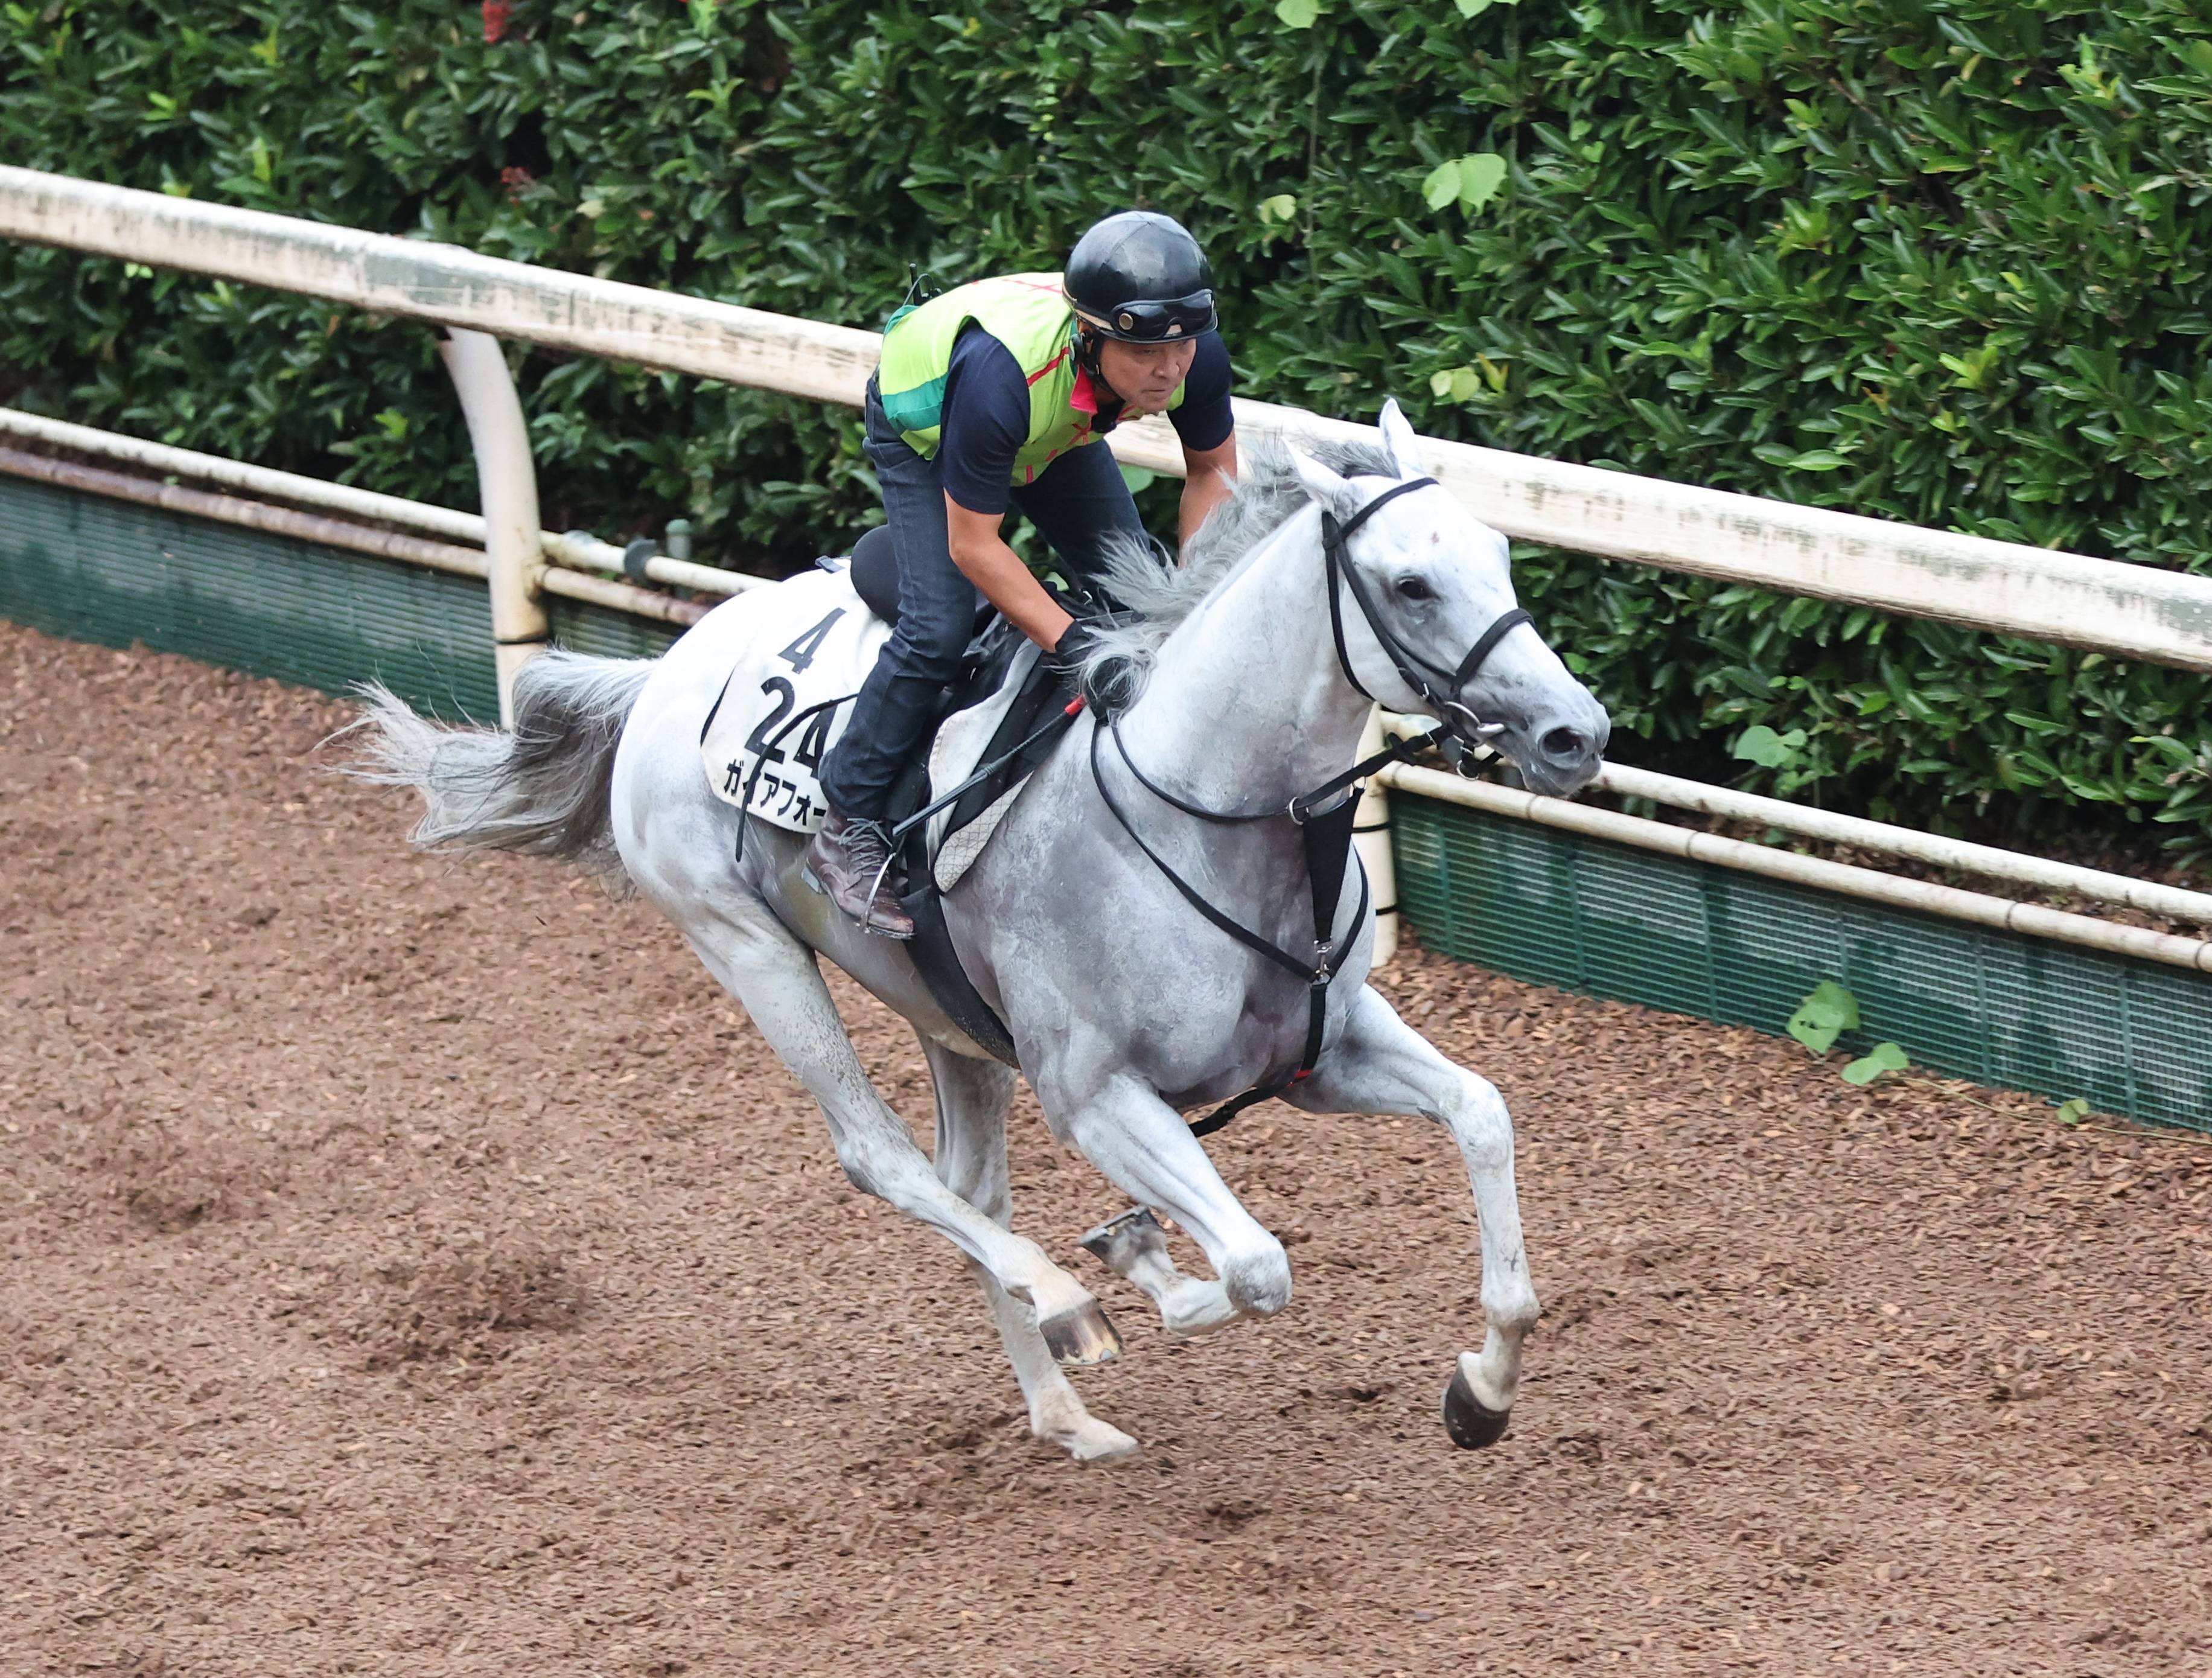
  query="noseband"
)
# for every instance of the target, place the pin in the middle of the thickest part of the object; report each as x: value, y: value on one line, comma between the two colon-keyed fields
x: 1416, y: 671
x: 1324, y: 816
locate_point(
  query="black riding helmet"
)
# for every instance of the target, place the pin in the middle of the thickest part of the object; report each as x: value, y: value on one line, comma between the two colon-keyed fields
x: 1140, y: 278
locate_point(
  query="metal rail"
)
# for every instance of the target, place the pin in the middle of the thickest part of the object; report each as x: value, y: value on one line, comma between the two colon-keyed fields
x: 2129, y: 611
x: 576, y: 549
x: 1947, y: 900
x: 341, y: 533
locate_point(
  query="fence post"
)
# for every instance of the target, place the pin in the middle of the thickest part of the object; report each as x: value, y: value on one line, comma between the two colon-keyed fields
x: 507, y: 488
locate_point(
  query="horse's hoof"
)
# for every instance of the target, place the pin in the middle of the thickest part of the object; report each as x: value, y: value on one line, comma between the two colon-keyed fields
x: 1081, y: 1337
x: 1470, y: 1423
x: 1120, y: 1242
x: 1097, y: 1442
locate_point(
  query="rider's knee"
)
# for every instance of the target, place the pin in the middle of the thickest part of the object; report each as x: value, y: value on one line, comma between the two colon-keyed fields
x: 931, y: 645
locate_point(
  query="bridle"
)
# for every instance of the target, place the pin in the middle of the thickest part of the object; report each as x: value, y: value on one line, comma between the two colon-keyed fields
x: 1324, y: 815
x: 1413, y: 670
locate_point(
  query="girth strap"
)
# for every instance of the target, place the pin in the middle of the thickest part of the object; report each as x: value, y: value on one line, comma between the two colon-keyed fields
x: 1328, y: 845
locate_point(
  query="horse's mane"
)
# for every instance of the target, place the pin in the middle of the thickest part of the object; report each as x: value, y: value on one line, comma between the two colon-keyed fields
x: 1269, y: 493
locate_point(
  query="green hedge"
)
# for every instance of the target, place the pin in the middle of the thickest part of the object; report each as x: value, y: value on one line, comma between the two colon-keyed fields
x: 1943, y: 262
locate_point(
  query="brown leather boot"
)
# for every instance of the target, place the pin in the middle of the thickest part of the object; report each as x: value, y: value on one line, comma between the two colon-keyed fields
x: 847, y: 860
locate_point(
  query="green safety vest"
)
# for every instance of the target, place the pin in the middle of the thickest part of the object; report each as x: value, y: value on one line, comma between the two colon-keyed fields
x: 1027, y: 312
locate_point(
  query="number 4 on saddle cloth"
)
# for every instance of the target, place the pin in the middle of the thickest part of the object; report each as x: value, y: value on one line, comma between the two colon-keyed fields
x: 813, y: 640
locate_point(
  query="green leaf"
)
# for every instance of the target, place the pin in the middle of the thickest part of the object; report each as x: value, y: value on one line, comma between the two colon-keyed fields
x: 1817, y: 460
x: 1973, y: 372
x: 1883, y: 1057
x: 1459, y: 384
x: 1472, y: 8
x: 2074, y: 1111
x: 1298, y: 13
x: 1137, y: 478
x: 1825, y: 1014
x: 1480, y: 175
x: 1473, y: 180
x: 1760, y: 744
x: 1283, y: 207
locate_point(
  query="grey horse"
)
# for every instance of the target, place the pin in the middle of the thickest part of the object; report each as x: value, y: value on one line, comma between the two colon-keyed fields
x: 1125, y: 1006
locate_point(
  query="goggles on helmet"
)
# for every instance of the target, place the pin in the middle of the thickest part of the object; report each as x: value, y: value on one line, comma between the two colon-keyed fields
x: 1159, y: 321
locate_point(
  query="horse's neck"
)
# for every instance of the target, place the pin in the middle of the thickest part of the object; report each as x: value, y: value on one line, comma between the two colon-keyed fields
x: 1246, y: 704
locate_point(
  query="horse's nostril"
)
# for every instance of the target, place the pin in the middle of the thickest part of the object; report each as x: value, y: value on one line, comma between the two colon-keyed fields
x: 1563, y: 746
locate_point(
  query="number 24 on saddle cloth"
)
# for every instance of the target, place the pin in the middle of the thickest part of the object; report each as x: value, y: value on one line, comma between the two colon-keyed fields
x: 810, y: 643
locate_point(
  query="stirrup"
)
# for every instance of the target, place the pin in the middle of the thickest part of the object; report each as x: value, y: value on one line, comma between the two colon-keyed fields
x: 875, y: 892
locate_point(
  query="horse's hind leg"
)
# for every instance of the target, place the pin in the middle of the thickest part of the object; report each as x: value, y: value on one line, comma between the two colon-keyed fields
x: 1381, y: 1065
x: 972, y: 1097
x: 774, y: 975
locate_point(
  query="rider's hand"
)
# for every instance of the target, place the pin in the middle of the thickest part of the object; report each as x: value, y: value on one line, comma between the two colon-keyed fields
x: 1109, y: 684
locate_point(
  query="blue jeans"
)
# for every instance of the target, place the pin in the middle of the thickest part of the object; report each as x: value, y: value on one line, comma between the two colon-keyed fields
x: 1075, y: 504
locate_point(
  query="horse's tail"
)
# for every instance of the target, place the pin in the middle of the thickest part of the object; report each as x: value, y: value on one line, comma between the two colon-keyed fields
x: 540, y: 787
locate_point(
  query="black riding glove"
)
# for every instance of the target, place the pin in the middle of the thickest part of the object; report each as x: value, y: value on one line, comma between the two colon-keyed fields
x: 1109, y: 683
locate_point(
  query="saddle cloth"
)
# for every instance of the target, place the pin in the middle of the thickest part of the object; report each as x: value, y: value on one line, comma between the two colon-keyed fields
x: 789, y: 698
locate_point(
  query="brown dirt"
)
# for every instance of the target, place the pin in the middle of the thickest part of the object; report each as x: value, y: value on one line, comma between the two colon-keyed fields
x: 419, y: 1268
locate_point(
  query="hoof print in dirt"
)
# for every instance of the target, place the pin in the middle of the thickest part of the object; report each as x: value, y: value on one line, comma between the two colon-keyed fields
x: 1470, y: 1423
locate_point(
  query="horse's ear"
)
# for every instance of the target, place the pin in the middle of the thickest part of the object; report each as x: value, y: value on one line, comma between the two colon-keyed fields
x: 1330, y: 492
x: 1399, y: 441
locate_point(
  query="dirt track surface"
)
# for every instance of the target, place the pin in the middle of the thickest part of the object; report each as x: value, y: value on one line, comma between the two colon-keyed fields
x: 420, y: 1268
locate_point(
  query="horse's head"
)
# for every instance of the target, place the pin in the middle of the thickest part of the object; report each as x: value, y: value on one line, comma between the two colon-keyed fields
x: 1422, y: 588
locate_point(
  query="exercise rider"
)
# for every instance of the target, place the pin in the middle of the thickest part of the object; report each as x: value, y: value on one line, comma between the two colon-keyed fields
x: 996, y: 393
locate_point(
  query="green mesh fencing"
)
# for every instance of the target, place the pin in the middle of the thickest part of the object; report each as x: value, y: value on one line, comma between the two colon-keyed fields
x: 115, y: 572
x: 2002, y: 1008
x: 584, y: 627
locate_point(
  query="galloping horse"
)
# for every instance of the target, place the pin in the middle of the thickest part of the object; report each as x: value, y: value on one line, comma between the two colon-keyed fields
x: 1329, y: 582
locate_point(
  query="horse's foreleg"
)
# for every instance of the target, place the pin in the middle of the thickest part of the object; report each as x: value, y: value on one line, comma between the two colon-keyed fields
x: 972, y: 1097
x: 1134, y: 1247
x: 1381, y: 1065
x: 777, y: 978
x: 1147, y: 1152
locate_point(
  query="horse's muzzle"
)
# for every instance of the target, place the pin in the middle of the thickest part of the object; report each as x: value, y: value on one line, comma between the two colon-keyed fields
x: 1561, y: 755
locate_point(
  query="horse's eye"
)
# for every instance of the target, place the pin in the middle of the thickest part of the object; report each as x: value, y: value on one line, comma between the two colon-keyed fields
x: 1413, y: 589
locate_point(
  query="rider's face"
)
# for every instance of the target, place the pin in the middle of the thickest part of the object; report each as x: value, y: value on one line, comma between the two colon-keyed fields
x: 1145, y: 375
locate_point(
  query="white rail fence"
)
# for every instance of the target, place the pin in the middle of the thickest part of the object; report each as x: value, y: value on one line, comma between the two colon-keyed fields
x: 2134, y: 612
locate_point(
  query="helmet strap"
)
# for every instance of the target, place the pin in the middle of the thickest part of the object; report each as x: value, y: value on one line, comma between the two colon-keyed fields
x: 1089, y: 347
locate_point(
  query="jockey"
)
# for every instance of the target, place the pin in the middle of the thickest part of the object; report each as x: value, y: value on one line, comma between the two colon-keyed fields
x: 995, y: 393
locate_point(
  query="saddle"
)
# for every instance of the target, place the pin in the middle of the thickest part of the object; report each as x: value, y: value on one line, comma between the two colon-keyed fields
x: 787, y: 703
